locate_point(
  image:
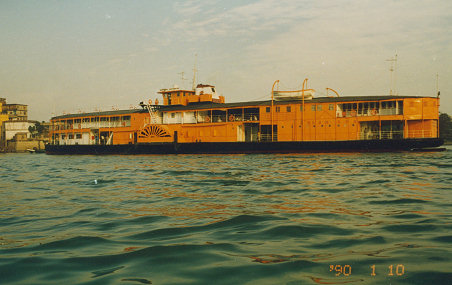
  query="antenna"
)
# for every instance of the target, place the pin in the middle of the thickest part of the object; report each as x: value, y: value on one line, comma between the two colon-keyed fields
x: 392, y: 69
x: 182, y: 78
x: 437, y: 86
x: 194, y: 72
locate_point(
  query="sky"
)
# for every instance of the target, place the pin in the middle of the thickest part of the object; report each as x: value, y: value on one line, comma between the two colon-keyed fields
x: 70, y: 56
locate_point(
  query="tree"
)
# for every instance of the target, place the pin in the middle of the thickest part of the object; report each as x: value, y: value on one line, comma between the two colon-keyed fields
x: 37, y: 130
x: 445, y: 126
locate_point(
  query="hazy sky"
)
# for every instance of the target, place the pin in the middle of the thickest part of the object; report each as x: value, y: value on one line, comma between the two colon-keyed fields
x: 65, y: 56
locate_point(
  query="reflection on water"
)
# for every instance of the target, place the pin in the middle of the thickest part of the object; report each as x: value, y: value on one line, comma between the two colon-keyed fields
x: 223, y: 219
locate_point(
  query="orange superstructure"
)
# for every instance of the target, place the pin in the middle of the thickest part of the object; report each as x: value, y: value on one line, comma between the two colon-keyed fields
x: 201, y: 116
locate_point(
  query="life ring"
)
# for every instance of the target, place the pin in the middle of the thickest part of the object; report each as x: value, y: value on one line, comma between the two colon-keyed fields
x: 207, y: 119
x: 231, y: 118
x: 373, y: 112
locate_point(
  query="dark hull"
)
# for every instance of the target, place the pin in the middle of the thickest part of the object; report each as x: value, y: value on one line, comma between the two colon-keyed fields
x: 249, y: 147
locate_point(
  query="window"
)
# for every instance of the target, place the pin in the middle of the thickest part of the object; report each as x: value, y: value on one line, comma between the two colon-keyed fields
x: 331, y: 107
x: 173, y: 115
x: 313, y: 108
x: 278, y: 109
x: 78, y: 136
x: 288, y: 109
x: 301, y: 108
x: 71, y: 136
x: 319, y: 107
x: 267, y: 109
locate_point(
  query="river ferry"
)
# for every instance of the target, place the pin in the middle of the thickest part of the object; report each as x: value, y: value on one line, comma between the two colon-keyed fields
x: 199, y: 121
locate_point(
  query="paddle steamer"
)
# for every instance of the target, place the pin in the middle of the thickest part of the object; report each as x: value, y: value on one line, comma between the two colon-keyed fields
x: 199, y: 121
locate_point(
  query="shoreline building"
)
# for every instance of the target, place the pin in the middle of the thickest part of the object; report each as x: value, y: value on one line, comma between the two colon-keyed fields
x: 15, y: 135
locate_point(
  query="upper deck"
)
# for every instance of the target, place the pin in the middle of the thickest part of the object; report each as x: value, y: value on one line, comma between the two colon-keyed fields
x: 216, y: 105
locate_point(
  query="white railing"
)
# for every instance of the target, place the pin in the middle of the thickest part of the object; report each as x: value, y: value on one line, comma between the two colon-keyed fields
x: 368, y: 112
x: 267, y: 137
x: 384, y: 135
x: 93, y: 125
x: 421, y: 134
x: 251, y: 117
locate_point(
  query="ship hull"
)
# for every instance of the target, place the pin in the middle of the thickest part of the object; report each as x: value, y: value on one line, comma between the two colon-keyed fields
x: 249, y: 147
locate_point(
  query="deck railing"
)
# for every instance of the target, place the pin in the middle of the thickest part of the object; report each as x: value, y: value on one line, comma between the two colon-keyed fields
x: 384, y: 135
x: 368, y: 112
x: 422, y: 134
x: 251, y: 117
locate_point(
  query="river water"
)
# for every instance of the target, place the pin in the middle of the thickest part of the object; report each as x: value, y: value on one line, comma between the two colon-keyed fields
x: 355, y: 218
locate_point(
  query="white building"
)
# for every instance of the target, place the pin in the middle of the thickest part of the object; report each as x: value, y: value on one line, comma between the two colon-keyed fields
x: 11, y: 128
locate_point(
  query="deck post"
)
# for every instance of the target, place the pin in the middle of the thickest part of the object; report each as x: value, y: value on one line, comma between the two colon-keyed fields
x: 305, y: 81
x: 273, y: 87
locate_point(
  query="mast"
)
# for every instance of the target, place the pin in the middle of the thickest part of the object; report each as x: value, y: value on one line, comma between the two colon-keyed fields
x: 194, y: 72
x: 437, y: 86
x: 182, y: 79
x: 393, y: 70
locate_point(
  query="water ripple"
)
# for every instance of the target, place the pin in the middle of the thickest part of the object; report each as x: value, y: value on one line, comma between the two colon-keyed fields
x: 226, y: 219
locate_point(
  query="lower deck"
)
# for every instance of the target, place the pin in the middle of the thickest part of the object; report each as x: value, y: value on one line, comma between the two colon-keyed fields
x: 253, y: 131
